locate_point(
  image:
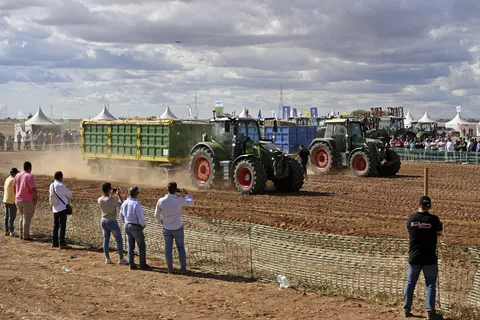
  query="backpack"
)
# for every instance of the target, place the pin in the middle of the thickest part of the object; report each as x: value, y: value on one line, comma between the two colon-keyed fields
x: 52, y: 198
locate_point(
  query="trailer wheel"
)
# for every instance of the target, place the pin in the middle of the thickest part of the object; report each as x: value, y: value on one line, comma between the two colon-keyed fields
x: 108, y: 170
x: 162, y: 173
x: 94, y: 169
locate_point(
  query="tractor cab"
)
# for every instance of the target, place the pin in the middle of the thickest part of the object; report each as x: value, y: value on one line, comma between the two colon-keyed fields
x: 347, y: 134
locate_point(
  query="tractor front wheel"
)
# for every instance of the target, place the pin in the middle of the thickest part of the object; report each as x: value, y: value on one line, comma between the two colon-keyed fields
x: 362, y: 164
x: 321, y: 158
x: 250, y: 176
x: 203, y: 168
x: 295, y: 179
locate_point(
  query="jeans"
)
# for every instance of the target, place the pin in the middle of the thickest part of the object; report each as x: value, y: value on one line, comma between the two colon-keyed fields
x: 59, y: 224
x: 179, y: 236
x: 10, y: 215
x: 430, y: 274
x: 135, y: 234
x: 111, y: 227
x: 26, y: 210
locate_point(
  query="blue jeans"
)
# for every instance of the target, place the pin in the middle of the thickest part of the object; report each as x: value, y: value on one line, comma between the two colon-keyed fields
x: 430, y: 274
x: 111, y: 227
x: 10, y: 215
x: 135, y: 234
x: 179, y: 236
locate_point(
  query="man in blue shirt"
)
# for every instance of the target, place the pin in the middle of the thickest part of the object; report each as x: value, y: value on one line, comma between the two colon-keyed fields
x: 131, y: 214
x: 169, y: 213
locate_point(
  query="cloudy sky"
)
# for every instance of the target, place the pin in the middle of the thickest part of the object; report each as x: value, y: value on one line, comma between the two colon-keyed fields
x: 331, y: 54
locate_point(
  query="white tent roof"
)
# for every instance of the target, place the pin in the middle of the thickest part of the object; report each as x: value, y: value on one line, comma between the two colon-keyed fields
x: 244, y: 114
x: 408, y: 118
x: 457, y: 120
x: 40, y: 119
x: 426, y: 118
x: 168, y: 114
x: 105, y: 115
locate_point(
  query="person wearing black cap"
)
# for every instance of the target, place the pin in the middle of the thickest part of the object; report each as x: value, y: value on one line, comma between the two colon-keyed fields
x: 423, y: 228
x: 168, y: 212
x: 9, y: 200
x: 131, y: 214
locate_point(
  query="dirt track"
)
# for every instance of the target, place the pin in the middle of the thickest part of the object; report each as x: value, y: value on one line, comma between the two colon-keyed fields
x: 340, y: 204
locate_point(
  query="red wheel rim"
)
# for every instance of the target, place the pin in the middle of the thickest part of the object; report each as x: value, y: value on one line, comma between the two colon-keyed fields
x: 360, y: 164
x: 245, y: 177
x: 321, y: 158
x: 201, y: 169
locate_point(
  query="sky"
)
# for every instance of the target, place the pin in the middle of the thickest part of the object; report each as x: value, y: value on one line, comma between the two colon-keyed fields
x: 139, y: 56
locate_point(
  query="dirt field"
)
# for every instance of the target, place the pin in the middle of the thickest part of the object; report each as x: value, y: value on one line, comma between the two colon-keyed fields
x: 36, y: 286
x: 339, y: 204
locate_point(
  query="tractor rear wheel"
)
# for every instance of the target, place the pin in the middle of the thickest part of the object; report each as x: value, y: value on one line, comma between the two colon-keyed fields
x: 295, y: 179
x: 203, y: 168
x: 321, y: 158
x: 250, y: 176
x: 393, y: 166
x: 362, y: 164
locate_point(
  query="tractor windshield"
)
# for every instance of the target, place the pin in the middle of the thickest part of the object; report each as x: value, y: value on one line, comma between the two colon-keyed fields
x: 249, y: 130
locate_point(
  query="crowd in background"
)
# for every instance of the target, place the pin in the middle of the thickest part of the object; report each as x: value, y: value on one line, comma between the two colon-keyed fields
x: 464, y: 144
x: 42, y: 140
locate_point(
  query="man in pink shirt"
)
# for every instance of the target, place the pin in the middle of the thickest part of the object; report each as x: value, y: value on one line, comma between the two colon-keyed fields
x: 25, y: 199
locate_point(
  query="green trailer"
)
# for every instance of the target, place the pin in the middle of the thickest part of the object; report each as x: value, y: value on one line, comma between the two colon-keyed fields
x: 159, y: 145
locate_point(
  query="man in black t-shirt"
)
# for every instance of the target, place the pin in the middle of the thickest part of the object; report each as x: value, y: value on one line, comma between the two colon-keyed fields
x: 423, y: 229
x: 303, y: 155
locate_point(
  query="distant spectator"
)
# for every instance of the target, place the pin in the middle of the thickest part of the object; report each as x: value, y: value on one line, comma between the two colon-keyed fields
x: 62, y: 193
x: 25, y: 199
x: 423, y: 229
x: 9, y: 200
x: 19, y: 141
x: 10, y: 144
x: 169, y: 213
x: 303, y: 155
x: 109, y: 203
x: 27, y: 141
x: 450, y: 145
x: 2, y: 142
x: 131, y: 214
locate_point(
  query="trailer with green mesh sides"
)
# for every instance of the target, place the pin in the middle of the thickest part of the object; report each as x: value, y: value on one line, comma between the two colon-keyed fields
x: 158, y: 145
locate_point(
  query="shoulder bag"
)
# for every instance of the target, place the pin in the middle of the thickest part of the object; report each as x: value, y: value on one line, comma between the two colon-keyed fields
x: 67, y: 206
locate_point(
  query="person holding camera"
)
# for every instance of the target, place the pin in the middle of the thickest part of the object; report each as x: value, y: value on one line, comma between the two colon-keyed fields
x: 169, y: 213
x: 109, y: 202
x: 131, y: 214
x: 59, y: 195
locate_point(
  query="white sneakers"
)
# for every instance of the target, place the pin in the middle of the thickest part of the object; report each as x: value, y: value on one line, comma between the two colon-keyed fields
x: 122, y: 261
x: 108, y: 261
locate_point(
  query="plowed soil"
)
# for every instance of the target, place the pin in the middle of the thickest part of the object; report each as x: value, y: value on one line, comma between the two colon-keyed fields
x: 337, y: 204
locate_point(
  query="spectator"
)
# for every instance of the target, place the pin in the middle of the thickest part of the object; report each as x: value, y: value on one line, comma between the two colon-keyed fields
x: 109, y: 202
x: 169, y: 213
x: 2, y: 142
x: 19, y: 141
x: 423, y: 228
x: 25, y: 199
x: 131, y: 214
x: 62, y: 193
x: 303, y: 155
x: 450, y: 145
x: 441, y: 144
x: 427, y: 144
x: 9, y: 200
x: 10, y: 144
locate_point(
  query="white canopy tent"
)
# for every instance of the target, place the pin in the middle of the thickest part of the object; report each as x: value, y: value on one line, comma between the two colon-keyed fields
x: 168, y: 114
x: 244, y: 114
x: 408, y: 119
x: 105, y: 115
x: 39, y: 122
x: 461, y: 125
x: 426, y: 118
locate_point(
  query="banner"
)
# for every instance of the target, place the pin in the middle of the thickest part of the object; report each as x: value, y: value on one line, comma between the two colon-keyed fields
x: 218, y: 103
x: 189, y: 108
x: 21, y: 120
x: 286, y: 112
x: 345, y: 113
x: 294, y: 113
x: 459, y: 109
x: 66, y: 123
x: 274, y: 114
x: 314, y: 112
x: 219, y: 111
x: 259, y: 114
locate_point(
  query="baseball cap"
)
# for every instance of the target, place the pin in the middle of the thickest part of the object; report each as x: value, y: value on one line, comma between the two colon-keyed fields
x: 14, y: 170
x: 172, y: 186
x: 425, y: 201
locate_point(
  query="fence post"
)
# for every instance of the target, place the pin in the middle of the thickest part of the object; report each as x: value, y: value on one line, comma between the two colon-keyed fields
x: 425, y: 182
x: 250, y: 240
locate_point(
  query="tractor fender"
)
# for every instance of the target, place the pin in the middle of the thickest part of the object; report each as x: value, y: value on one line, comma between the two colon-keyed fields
x: 214, y: 147
x: 324, y: 140
x: 242, y: 157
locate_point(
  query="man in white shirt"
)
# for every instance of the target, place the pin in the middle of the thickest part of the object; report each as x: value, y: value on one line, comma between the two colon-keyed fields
x: 450, y: 145
x: 62, y: 193
x: 169, y: 213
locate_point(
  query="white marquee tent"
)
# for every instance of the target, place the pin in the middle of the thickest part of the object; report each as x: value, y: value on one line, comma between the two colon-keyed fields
x: 244, y: 114
x: 168, y: 114
x: 105, y: 115
x: 39, y: 122
x: 461, y: 125
x: 426, y: 118
x: 408, y: 119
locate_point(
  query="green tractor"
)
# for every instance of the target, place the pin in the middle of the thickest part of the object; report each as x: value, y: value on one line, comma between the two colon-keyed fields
x: 235, y: 153
x: 345, y: 145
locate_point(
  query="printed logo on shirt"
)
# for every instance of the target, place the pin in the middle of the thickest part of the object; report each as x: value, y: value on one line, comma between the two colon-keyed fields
x: 421, y: 225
